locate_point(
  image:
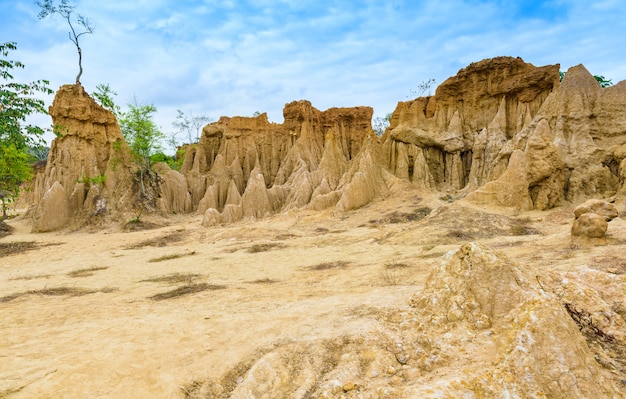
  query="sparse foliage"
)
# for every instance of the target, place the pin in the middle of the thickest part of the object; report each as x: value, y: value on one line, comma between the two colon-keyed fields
x: 189, y: 126
x: 423, y: 87
x: 104, y: 94
x: 38, y: 152
x: 66, y: 11
x: 143, y: 137
x: 602, y: 81
x: 381, y: 124
x: 17, y: 101
x: 140, y: 131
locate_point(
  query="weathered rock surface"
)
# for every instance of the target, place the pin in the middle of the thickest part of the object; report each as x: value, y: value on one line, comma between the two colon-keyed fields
x: 600, y: 207
x: 53, y: 211
x: 468, y: 131
x: 86, y: 176
x: 591, y: 222
x: 501, y: 132
x: 461, y: 130
x: 313, y: 160
x: 483, y: 327
x: 574, y: 146
x: 174, y: 192
x: 589, y: 225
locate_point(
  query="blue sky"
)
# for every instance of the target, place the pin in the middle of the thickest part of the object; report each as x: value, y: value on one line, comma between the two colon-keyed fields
x: 214, y: 58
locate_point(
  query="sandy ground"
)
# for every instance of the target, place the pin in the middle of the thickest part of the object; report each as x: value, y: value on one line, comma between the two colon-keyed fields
x: 294, y: 276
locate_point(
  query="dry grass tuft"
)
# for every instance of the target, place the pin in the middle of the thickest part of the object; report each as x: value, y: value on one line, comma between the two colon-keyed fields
x: 137, y: 224
x: 329, y: 265
x: 394, y: 264
x: 86, y: 272
x: 161, y: 241
x: 30, y: 277
x: 403, y: 217
x: 175, y: 278
x: 57, y: 291
x: 519, y: 227
x: 265, y: 280
x: 171, y: 256
x: 390, y: 277
x: 11, y: 248
x: 186, y: 290
x: 286, y: 236
x: 256, y: 248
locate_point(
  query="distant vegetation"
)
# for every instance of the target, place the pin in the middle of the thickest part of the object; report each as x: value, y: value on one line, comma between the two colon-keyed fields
x: 602, y: 81
x: 189, y: 126
x: 381, y: 124
x: 17, y: 102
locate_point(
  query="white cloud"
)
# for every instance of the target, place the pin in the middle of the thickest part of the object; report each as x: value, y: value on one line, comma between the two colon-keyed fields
x: 233, y: 58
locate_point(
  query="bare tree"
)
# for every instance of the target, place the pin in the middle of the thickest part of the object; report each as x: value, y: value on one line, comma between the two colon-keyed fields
x: 188, y: 125
x: 423, y: 88
x: 65, y: 10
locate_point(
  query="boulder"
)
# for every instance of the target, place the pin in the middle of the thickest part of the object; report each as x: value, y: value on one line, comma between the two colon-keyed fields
x: 599, y: 207
x: 589, y: 225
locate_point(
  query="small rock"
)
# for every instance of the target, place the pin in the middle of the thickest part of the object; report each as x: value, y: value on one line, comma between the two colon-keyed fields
x: 590, y: 225
x: 349, y: 386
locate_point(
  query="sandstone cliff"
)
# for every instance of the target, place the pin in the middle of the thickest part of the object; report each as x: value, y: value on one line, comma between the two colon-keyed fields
x: 501, y: 132
x: 86, y: 177
x: 250, y: 168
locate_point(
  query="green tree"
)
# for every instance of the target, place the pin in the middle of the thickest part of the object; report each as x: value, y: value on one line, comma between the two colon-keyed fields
x: 142, y: 135
x: 104, y: 95
x: 602, y: 81
x: 140, y: 131
x: 17, y: 102
x: 65, y: 10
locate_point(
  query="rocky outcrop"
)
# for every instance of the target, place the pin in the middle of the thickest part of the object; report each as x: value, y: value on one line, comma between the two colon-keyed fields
x: 174, y: 192
x: 53, y: 211
x: 313, y: 160
x: 574, y: 144
x: 461, y: 130
x: 571, y: 134
x: 501, y: 132
x: 482, y: 327
x: 86, y: 175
